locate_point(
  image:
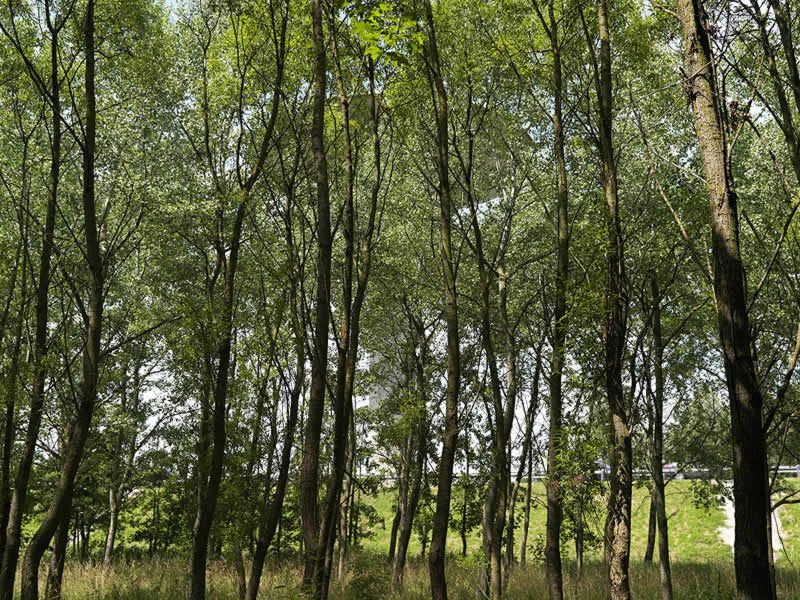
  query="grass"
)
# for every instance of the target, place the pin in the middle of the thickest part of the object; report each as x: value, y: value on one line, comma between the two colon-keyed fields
x: 368, y: 579
x: 702, y: 564
x: 789, y: 515
x: 694, y: 531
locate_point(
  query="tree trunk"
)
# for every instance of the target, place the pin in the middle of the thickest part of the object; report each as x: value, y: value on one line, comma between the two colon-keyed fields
x: 751, y: 500
x: 579, y: 539
x: 618, y: 522
x: 496, y: 498
x: 309, y: 476
x: 649, y: 549
x: 552, y: 551
x: 207, y: 497
x: 409, y: 507
x: 464, y: 503
x: 273, y: 510
x: 40, y: 346
x: 342, y: 405
x: 12, y: 390
x: 393, y: 536
x: 227, y: 260
x: 436, y: 554
x: 113, y: 522
x: 659, y: 497
x: 527, y: 451
x: 241, y: 577
x: 79, y: 429
x: 55, y: 572
x: 344, y: 514
x: 348, y: 342
x: 523, y: 550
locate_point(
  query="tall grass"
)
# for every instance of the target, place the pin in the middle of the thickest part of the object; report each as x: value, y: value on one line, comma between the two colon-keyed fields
x: 368, y: 578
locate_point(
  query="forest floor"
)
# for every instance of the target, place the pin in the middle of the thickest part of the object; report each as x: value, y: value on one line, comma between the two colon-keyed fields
x: 702, y: 562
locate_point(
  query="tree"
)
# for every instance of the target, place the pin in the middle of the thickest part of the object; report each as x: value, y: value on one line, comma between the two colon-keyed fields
x: 618, y: 521
x: 436, y: 556
x: 751, y: 555
x: 51, y: 93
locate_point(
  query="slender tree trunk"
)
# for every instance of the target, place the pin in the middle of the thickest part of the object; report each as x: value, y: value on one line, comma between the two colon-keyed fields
x: 436, y: 555
x: 11, y: 386
x: 113, y: 522
x: 227, y: 261
x: 579, y: 539
x: 125, y: 448
x: 649, y: 549
x: 523, y: 550
x: 527, y: 450
x: 351, y: 321
x: 751, y: 500
x: 309, y: 476
x: 407, y: 518
x: 527, y: 453
x: 79, y: 429
x: 417, y: 470
x: 496, y: 497
x: 40, y: 347
x: 511, y: 523
x: 211, y: 478
x: 393, y: 537
x: 12, y: 390
x: 659, y: 497
x: 344, y: 511
x: 464, y: 503
x: 55, y: 572
x: 552, y: 551
x: 342, y: 405
x: 274, y: 508
x: 207, y: 501
x: 344, y: 514
x: 618, y: 522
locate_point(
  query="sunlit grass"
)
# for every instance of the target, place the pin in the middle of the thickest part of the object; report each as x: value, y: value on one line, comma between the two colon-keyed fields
x: 694, y: 530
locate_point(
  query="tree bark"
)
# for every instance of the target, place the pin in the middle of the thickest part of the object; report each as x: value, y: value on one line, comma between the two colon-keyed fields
x: 751, y: 500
